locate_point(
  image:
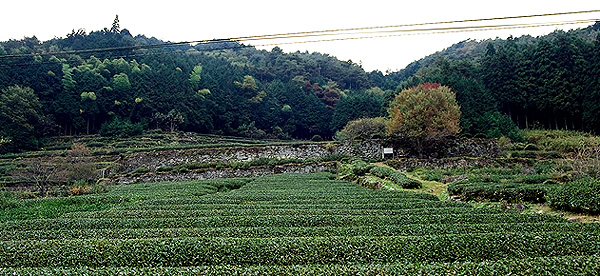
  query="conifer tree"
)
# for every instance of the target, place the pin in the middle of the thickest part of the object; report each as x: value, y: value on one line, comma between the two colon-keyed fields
x: 115, y: 25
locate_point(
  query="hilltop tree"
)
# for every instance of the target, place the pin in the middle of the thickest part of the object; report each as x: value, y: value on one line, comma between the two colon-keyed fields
x: 115, y: 25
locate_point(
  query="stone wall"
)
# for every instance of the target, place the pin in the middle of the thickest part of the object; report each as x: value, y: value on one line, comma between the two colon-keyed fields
x: 229, y: 173
x: 474, y: 148
x: 171, y: 158
x: 404, y: 164
x: 483, y: 151
x: 361, y: 149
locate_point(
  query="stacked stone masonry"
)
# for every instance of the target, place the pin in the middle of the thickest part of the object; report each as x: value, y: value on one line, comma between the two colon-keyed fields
x: 372, y: 150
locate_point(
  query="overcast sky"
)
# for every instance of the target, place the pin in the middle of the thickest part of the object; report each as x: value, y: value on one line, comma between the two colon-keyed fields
x: 178, y: 20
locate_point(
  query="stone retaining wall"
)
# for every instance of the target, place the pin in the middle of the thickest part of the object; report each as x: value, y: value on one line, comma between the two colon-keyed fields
x: 483, y: 149
x: 404, y: 164
x: 171, y: 158
x: 229, y: 173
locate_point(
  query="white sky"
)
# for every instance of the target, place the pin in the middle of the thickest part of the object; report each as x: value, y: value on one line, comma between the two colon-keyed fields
x: 179, y: 20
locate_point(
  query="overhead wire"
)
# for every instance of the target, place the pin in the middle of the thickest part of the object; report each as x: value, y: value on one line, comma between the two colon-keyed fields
x: 440, y: 31
x: 334, y: 31
x: 346, y: 34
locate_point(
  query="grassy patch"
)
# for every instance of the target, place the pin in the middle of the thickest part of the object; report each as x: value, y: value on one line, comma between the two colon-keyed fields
x: 48, y: 208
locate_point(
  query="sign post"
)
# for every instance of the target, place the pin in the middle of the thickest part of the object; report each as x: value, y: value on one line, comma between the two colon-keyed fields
x: 388, y: 151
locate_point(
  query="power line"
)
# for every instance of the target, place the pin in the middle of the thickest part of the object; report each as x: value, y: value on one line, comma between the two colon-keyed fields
x: 294, y: 35
x: 440, y: 31
x: 390, y: 29
x: 410, y: 32
x: 245, y: 38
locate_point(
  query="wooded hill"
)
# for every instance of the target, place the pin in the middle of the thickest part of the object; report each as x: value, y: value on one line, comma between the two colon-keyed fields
x: 113, y: 83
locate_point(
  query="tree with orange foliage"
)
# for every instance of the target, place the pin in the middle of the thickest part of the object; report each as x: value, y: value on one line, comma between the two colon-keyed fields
x: 423, y: 114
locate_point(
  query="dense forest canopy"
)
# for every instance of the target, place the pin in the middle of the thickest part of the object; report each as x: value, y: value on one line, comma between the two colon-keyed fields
x: 67, y: 86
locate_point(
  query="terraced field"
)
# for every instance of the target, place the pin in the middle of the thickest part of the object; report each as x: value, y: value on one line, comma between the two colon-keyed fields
x: 285, y: 225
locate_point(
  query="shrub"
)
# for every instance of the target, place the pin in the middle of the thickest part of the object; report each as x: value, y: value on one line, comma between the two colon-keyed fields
x: 164, y: 169
x: 316, y: 138
x: 534, y: 178
x: 562, y: 140
x: 497, y: 125
x: 82, y: 187
x: 7, y: 200
x: 139, y: 171
x: 120, y: 127
x: 579, y: 196
x: 425, y: 111
x: 96, y: 144
x: 362, y: 129
x: 396, y: 176
x: 360, y: 167
x: 510, y: 192
x: 239, y: 165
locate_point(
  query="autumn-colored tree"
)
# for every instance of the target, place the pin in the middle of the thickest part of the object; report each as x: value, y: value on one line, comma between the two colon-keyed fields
x: 425, y: 113
x: 330, y: 94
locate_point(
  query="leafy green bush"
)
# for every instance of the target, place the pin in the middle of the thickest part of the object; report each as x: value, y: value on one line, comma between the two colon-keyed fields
x: 316, y: 138
x: 7, y: 200
x: 360, y: 167
x: 557, y: 265
x: 355, y: 168
x: 230, y: 184
x: 164, y: 169
x: 496, y: 125
x: 120, y: 127
x: 510, y: 192
x: 139, y: 171
x: 286, y: 251
x: 534, y: 178
x: 96, y: 144
x: 362, y: 129
x: 396, y: 176
x: 560, y: 140
x: 534, y: 154
x: 240, y: 165
x: 579, y: 196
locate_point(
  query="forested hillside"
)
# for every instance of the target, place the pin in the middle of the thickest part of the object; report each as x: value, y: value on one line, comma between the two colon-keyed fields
x: 67, y: 86
x: 547, y: 82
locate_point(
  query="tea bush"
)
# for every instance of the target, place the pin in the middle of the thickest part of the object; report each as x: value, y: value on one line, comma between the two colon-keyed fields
x: 579, y: 196
x: 285, y: 224
x: 510, y: 192
x: 7, y: 200
x: 396, y: 176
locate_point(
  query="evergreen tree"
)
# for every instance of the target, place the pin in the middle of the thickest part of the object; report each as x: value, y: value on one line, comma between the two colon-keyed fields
x: 115, y: 28
x: 20, y: 111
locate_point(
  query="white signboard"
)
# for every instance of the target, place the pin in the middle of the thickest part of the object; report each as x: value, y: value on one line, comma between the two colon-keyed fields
x: 388, y: 150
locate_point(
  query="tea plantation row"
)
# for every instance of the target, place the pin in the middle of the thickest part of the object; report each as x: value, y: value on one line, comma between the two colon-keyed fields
x: 580, y: 194
x: 287, y: 225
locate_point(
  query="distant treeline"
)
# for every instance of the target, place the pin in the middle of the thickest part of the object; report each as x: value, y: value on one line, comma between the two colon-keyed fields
x: 225, y: 87
x: 548, y: 82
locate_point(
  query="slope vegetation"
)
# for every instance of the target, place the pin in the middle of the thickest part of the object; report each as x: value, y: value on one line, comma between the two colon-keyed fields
x: 288, y: 224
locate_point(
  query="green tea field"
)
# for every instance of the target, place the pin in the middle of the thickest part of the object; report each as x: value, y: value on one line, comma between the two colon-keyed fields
x: 285, y: 225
